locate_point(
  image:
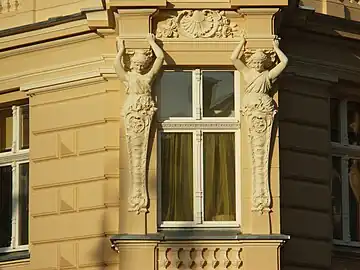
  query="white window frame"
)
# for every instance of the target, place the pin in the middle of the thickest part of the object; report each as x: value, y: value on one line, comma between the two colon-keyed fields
x: 14, y: 158
x: 345, y: 151
x: 198, y: 125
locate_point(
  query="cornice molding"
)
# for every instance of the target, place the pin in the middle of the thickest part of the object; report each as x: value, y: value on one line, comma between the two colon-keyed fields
x: 55, y: 84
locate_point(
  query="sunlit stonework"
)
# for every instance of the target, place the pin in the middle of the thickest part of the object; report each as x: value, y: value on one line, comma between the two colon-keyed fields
x: 259, y: 110
x: 197, y: 24
x: 138, y: 112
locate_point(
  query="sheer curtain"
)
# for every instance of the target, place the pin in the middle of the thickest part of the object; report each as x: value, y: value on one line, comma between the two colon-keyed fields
x: 219, y: 176
x: 177, y: 177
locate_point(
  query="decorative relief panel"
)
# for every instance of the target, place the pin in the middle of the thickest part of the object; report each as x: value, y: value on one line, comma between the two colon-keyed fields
x: 199, y: 258
x: 9, y: 5
x: 198, y: 24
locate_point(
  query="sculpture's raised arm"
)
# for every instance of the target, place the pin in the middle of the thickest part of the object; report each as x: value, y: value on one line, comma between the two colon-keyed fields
x: 237, y: 54
x: 120, y: 71
x: 276, y: 71
x: 159, y: 56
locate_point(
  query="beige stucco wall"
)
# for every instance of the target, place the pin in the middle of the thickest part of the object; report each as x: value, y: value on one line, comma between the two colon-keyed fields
x: 78, y: 158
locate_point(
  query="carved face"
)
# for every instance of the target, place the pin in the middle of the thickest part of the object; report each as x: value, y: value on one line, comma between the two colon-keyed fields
x: 257, y: 61
x: 140, y: 61
x: 137, y: 65
x: 258, y: 65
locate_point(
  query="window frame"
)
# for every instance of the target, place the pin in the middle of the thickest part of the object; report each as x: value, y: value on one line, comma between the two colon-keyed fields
x: 198, y: 125
x: 345, y: 152
x: 15, y: 158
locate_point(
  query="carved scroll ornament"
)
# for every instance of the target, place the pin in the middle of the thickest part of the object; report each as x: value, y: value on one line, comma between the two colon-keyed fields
x: 197, y: 24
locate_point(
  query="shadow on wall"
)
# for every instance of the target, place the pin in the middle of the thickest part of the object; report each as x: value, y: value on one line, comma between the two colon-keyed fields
x: 308, y: 39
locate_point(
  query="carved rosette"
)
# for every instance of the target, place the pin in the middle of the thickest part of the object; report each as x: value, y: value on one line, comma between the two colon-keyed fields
x: 138, y: 116
x: 259, y: 111
x: 198, y: 24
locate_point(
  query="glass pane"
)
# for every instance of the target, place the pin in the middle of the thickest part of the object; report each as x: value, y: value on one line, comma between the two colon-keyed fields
x: 5, y: 205
x: 218, y: 94
x: 175, y: 90
x: 24, y: 127
x: 6, y: 129
x: 353, y: 118
x: 219, y: 176
x: 336, y: 195
x: 354, y: 199
x: 24, y: 204
x: 334, y: 118
x: 177, y: 176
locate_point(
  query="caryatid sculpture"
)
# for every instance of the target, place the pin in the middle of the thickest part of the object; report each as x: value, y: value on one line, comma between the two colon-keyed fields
x: 259, y: 109
x: 138, y: 111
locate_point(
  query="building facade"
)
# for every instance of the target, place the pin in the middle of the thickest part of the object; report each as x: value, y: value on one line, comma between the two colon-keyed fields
x: 169, y: 134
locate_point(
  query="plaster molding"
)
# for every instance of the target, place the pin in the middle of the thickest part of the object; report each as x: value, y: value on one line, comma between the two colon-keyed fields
x: 41, y: 34
x: 41, y: 72
x: 63, y: 82
x: 46, y: 45
x: 180, y: 125
x: 198, y: 24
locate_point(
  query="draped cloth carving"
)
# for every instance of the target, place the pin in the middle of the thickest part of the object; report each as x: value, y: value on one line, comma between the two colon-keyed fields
x: 138, y: 111
x: 258, y: 107
x: 259, y: 110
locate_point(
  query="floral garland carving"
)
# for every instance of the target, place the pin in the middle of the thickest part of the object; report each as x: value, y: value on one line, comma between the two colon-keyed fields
x: 198, y: 24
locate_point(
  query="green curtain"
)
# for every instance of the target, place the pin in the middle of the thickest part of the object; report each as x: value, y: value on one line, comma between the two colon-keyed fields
x: 219, y: 176
x: 176, y: 176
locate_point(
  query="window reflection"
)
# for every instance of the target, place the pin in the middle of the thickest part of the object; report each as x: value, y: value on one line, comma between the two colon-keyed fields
x: 218, y: 93
x: 334, y: 119
x: 175, y: 90
x: 353, y: 119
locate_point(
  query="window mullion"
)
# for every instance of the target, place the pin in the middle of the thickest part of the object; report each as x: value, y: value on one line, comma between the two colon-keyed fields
x: 198, y: 194
x: 345, y: 198
x: 197, y: 86
x: 15, y: 115
x: 15, y: 202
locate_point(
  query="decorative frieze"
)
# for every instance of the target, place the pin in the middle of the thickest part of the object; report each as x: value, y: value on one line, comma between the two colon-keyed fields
x: 198, y: 24
x: 199, y: 258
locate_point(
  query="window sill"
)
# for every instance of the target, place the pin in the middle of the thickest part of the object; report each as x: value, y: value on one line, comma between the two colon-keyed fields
x: 14, y: 256
x: 184, y: 235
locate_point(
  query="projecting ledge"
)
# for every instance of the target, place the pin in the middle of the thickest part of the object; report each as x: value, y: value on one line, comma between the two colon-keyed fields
x: 183, y: 235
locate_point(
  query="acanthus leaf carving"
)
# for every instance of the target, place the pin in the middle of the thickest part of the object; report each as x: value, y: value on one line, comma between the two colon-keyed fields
x: 198, y: 24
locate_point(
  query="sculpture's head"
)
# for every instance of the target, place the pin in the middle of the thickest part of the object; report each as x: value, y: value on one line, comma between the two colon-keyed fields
x: 257, y: 61
x: 140, y: 60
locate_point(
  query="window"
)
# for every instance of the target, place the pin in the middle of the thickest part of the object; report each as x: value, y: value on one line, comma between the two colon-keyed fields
x: 198, y: 148
x: 14, y: 177
x: 345, y: 184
